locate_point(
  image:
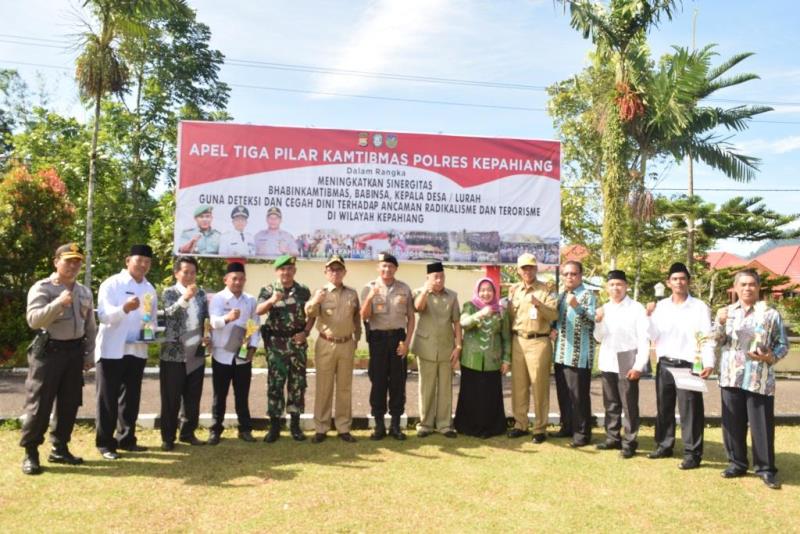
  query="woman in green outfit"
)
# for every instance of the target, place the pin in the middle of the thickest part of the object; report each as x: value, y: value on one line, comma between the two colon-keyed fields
x: 485, y: 357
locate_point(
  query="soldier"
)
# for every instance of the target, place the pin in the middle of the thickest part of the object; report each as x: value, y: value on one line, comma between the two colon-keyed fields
x: 336, y: 309
x: 126, y: 305
x: 388, y: 309
x: 201, y: 239
x: 238, y: 243
x: 274, y: 241
x: 233, y: 344
x: 62, y: 310
x: 285, y: 331
x: 183, y: 354
x: 532, y: 309
x: 437, y: 345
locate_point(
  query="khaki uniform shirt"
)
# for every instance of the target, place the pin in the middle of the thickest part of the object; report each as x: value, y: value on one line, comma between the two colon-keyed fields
x: 434, y: 338
x: 520, y: 308
x: 62, y: 323
x: 391, y: 308
x: 338, y: 313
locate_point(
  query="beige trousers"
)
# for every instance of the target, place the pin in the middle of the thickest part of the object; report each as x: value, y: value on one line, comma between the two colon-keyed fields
x: 334, y: 365
x: 530, y: 365
x: 435, y: 396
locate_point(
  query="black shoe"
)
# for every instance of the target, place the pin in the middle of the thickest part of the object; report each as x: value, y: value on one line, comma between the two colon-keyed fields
x: 423, y: 433
x: 578, y: 444
x: 450, y: 434
x: 213, y: 438
x: 517, y: 433
x: 347, y: 437
x: 608, y: 445
x: 167, y: 446
x: 770, y: 480
x: 192, y: 440
x: 246, y: 435
x: 61, y: 455
x: 319, y: 437
x: 539, y: 438
x: 380, y: 430
x: 108, y: 454
x: 294, y: 428
x: 274, y: 430
x: 394, y: 429
x: 689, y: 463
x: 30, y: 464
x: 562, y: 433
x: 733, y: 472
x: 627, y: 453
x: 133, y: 448
x: 660, y: 452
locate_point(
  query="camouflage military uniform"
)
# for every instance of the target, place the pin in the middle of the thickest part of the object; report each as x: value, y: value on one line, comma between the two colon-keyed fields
x: 286, y: 360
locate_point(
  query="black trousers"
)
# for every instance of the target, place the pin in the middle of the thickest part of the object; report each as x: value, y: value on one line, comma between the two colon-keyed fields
x: 222, y: 376
x: 564, y: 403
x: 578, y: 383
x: 55, y: 377
x: 621, y: 394
x: 740, y: 407
x: 690, y: 407
x: 179, y: 390
x: 119, y: 390
x: 387, y: 372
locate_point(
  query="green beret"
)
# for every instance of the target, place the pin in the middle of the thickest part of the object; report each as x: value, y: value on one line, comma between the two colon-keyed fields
x: 284, y: 260
x: 201, y: 209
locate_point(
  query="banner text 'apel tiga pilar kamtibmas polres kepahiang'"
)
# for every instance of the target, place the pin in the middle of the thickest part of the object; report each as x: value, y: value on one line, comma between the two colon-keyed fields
x: 262, y: 191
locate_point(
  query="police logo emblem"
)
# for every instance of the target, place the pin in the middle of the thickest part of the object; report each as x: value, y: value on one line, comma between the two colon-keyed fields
x: 363, y: 139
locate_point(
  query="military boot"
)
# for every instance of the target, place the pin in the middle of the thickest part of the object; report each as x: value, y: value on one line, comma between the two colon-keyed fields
x: 380, y: 430
x: 297, y: 434
x: 394, y: 430
x: 30, y: 464
x: 274, y: 430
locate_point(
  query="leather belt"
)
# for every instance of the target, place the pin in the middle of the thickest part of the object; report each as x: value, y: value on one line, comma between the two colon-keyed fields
x: 674, y: 361
x: 65, y: 342
x: 335, y: 339
x: 529, y: 335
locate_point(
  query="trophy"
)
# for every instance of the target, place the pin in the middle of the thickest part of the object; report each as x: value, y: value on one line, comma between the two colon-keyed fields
x: 250, y: 328
x: 697, y: 366
x: 206, y: 330
x: 148, y: 331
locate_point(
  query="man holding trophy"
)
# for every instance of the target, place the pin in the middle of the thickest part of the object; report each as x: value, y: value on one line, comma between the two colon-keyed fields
x: 126, y: 306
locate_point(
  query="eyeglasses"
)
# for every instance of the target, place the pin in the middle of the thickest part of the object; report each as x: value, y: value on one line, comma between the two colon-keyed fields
x: 570, y: 273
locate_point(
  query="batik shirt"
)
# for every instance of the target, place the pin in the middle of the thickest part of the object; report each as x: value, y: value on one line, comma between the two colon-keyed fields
x: 575, y: 344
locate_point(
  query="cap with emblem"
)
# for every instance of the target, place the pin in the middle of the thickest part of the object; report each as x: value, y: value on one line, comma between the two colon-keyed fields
x: 385, y: 257
x: 235, y: 267
x: 69, y: 251
x: 141, y: 250
x: 334, y: 259
x: 274, y: 211
x: 203, y: 208
x: 240, y: 211
x: 283, y: 261
x: 435, y: 267
x: 526, y: 259
x: 616, y: 274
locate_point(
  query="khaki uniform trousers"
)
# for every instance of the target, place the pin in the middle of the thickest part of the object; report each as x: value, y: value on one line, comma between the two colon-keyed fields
x: 435, y: 396
x: 530, y: 365
x: 334, y: 364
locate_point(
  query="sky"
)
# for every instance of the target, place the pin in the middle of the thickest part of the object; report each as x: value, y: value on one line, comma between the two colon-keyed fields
x: 464, y: 67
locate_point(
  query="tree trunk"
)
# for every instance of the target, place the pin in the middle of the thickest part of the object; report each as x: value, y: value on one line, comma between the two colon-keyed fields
x: 90, y: 196
x: 690, y: 219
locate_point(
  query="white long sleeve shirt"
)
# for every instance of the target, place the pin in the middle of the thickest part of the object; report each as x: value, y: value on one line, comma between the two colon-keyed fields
x: 220, y: 305
x: 623, y: 328
x: 119, y: 331
x: 674, y: 327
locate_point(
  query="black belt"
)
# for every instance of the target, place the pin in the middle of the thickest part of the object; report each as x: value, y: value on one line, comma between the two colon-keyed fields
x: 675, y: 361
x: 394, y: 332
x: 529, y: 335
x: 65, y: 342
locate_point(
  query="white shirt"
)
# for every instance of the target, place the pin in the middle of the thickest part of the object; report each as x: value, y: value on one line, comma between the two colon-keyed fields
x: 118, y: 330
x: 237, y: 244
x: 673, y: 328
x: 220, y: 305
x: 623, y: 328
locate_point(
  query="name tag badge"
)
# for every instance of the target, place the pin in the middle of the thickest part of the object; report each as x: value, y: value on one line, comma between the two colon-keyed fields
x: 533, y: 313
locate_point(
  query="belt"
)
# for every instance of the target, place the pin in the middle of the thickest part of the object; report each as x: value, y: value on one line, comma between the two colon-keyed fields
x: 674, y: 361
x: 65, y: 342
x: 529, y: 335
x: 335, y: 339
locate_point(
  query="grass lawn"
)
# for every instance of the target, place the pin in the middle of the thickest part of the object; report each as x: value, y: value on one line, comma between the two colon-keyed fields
x: 426, y: 485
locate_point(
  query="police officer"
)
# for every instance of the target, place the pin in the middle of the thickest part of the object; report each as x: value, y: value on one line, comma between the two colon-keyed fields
x: 336, y: 309
x: 437, y: 345
x: 202, y: 239
x: 285, y: 330
x: 238, y: 243
x: 532, y: 310
x: 273, y: 241
x: 62, y: 310
x: 388, y: 309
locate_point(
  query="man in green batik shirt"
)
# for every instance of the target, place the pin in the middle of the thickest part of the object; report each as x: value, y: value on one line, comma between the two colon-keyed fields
x: 285, y: 330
